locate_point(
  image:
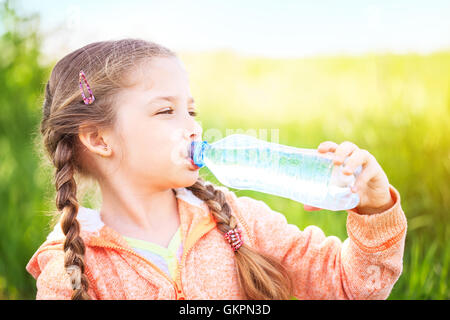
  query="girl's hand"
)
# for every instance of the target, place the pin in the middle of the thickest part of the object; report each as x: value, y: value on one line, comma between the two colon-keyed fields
x: 372, y: 184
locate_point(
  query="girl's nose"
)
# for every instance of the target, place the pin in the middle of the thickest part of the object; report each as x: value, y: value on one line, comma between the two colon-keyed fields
x: 193, y: 135
x: 193, y: 130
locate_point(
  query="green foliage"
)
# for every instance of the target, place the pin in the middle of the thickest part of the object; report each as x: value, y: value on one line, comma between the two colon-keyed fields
x: 395, y: 106
x: 21, y: 186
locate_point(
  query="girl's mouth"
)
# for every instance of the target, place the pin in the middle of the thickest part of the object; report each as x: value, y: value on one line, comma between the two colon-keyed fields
x: 189, y: 157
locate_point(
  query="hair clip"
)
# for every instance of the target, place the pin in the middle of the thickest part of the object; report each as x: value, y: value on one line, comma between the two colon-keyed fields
x: 74, y: 273
x: 91, y: 96
x: 234, y: 238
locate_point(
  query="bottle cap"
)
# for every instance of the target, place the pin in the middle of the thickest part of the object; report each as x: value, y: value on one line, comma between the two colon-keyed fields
x: 197, y: 152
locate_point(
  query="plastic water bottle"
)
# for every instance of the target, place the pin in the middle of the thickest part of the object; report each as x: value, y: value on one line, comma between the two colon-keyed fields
x: 304, y: 175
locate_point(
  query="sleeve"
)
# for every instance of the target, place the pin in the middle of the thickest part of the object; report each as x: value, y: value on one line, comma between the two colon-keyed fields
x: 53, y: 283
x: 365, y: 266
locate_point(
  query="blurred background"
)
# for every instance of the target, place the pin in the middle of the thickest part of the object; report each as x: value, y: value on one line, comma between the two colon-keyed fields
x: 376, y: 73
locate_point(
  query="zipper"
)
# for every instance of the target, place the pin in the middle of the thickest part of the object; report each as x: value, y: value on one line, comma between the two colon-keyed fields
x: 187, y: 251
x: 179, y: 295
x: 182, y: 262
x: 208, y: 226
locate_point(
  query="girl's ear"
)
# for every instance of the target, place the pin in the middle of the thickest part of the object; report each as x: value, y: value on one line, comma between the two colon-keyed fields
x: 95, y: 141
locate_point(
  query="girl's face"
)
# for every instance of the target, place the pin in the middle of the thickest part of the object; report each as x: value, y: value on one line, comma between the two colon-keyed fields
x: 155, y: 126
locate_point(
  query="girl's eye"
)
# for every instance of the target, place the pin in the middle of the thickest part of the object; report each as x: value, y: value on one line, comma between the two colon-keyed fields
x: 170, y: 110
x: 192, y: 113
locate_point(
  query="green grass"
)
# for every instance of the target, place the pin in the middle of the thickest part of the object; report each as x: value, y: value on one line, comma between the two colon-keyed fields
x: 395, y: 106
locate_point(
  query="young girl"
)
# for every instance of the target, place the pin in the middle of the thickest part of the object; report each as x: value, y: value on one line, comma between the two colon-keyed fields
x: 121, y: 112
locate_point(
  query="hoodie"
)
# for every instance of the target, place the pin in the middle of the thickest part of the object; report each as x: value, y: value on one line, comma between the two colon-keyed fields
x: 364, y: 266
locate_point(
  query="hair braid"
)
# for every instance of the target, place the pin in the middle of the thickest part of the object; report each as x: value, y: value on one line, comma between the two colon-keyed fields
x: 67, y: 203
x: 261, y: 277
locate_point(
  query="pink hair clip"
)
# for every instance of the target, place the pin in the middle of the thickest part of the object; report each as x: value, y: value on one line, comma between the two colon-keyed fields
x: 234, y: 238
x: 91, y: 96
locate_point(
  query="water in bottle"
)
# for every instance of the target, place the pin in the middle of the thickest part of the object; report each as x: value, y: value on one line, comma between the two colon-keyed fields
x: 304, y: 175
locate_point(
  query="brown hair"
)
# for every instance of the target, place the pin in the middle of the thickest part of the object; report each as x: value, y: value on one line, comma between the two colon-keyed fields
x: 105, y: 64
x: 261, y: 277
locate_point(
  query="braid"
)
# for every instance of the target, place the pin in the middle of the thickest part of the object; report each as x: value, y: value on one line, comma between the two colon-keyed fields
x: 67, y: 203
x: 261, y: 277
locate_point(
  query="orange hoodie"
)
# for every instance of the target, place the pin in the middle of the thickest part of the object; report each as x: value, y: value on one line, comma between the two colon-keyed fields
x: 365, y: 266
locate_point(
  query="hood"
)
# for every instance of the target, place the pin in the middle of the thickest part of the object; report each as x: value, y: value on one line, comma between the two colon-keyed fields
x: 195, y: 220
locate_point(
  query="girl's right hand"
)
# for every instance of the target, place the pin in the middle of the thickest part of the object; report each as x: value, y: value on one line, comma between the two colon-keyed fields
x: 325, y: 147
x: 372, y: 184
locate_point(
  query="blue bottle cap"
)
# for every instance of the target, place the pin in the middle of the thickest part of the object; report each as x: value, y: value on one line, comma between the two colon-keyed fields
x: 197, y: 152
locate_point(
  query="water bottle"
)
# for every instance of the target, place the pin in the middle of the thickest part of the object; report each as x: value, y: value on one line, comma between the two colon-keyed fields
x: 304, y: 175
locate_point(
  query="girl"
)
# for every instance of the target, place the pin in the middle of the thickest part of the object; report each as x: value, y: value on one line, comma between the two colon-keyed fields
x: 164, y: 233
